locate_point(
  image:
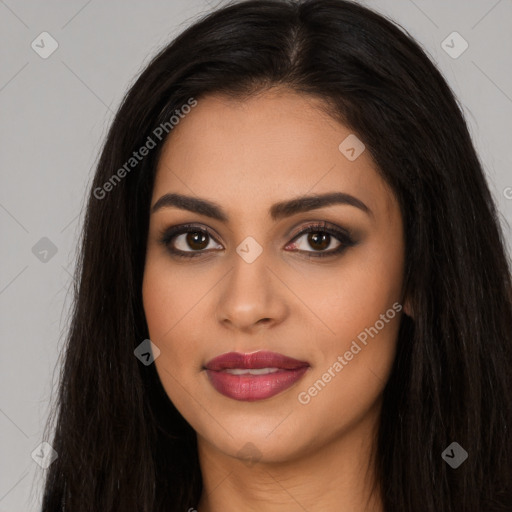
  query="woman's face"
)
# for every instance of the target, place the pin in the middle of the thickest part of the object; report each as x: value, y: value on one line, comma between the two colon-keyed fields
x: 255, y: 283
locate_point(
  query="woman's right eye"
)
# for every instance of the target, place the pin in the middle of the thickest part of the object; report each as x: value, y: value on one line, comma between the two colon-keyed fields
x: 187, y: 241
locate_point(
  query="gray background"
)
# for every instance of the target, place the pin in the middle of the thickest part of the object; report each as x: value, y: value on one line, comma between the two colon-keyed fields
x: 54, y: 115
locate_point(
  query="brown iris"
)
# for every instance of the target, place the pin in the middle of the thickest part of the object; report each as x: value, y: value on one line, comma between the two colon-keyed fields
x: 197, y: 240
x: 319, y: 240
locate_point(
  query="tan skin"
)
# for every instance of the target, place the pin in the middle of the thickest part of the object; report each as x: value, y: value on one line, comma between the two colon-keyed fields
x: 245, y: 156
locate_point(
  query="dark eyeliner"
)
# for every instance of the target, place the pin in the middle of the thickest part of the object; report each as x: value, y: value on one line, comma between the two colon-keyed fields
x: 167, y: 235
x: 343, y: 236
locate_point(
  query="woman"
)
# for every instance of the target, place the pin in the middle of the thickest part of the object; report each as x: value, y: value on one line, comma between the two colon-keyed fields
x: 293, y: 292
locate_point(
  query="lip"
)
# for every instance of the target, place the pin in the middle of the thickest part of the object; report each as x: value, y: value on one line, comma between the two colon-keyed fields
x: 254, y: 360
x: 249, y: 387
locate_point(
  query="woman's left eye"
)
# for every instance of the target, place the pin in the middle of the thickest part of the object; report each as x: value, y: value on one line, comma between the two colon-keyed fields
x: 320, y: 237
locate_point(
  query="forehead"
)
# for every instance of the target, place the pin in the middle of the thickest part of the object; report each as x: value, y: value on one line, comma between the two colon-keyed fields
x: 253, y: 152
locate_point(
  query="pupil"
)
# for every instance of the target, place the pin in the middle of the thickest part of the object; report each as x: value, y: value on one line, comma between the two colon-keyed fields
x: 320, y: 240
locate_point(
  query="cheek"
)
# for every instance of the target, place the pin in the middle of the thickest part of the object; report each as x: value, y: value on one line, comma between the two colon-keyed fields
x: 168, y: 295
x: 166, y: 300
x: 174, y: 315
x: 365, y: 285
x: 161, y: 310
x: 159, y: 306
x: 362, y: 308
x: 355, y: 363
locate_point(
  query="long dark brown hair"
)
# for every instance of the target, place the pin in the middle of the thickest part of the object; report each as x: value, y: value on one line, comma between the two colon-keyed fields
x: 122, y: 445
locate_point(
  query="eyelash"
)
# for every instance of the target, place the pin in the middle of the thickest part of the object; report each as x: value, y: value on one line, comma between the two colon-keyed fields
x: 343, y: 236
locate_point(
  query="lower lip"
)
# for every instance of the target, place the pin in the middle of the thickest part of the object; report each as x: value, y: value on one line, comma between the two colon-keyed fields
x: 250, y: 388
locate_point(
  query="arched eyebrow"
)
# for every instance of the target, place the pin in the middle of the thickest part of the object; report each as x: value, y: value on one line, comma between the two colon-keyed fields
x: 277, y: 211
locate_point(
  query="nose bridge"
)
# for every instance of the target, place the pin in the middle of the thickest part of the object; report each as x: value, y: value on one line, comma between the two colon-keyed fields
x: 250, y: 292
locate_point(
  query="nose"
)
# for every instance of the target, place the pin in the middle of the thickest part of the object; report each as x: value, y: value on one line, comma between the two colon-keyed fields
x: 251, y: 296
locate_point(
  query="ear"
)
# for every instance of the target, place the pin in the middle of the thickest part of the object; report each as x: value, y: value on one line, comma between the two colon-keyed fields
x: 408, y: 308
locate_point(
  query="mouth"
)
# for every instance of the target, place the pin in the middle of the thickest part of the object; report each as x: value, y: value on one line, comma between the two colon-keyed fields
x: 255, y: 376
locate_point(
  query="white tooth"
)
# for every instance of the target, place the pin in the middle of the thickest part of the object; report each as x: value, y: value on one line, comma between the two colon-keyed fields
x: 251, y: 371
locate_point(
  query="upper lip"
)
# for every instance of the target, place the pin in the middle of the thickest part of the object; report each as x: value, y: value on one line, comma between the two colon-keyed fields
x: 255, y: 360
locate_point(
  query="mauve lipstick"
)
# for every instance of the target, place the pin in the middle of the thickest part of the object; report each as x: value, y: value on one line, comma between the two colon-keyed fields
x: 230, y: 374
